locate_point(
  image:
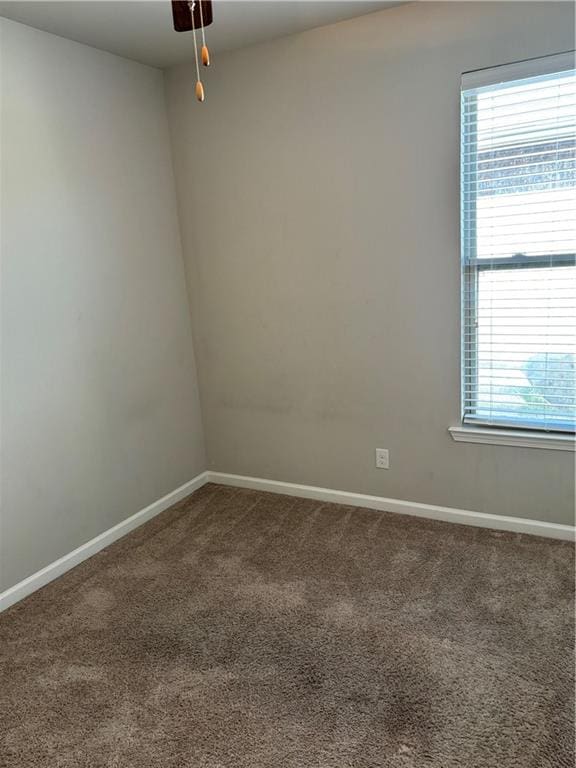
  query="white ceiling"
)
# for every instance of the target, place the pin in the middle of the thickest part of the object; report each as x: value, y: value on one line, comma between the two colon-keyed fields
x: 142, y: 29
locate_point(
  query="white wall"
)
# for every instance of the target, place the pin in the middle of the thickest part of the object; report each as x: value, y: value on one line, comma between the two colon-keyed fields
x: 318, y: 192
x: 100, y: 411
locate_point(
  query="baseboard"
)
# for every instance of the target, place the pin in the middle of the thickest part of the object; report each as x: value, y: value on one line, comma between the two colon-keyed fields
x: 417, y: 509
x: 59, y: 567
x: 431, y: 511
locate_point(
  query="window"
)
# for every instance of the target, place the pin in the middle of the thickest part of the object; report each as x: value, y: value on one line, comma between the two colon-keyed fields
x: 518, y: 207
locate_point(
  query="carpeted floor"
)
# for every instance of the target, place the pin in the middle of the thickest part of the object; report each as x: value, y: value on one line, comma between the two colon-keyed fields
x: 243, y: 629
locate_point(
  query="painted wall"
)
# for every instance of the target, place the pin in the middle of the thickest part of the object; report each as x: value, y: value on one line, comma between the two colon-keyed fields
x: 100, y: 410
x: 319, y: 204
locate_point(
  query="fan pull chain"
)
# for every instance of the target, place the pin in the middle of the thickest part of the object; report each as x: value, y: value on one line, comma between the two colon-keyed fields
x: 205, y: 51
x: 199, y: 86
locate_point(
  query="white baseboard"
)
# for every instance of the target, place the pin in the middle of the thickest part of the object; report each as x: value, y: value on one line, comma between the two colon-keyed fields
x: 59, y: 567
x: 431, y: 511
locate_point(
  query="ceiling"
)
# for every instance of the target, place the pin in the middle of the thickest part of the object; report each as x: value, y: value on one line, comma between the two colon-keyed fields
x: 142, y: 29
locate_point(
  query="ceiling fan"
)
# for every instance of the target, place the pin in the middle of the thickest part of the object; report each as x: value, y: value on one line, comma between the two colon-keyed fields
x: 188, y: 16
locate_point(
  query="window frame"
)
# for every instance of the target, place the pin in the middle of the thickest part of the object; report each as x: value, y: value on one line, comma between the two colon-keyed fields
x: 478, y: 428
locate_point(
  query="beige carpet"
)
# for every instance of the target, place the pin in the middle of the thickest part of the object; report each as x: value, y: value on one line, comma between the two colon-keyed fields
x: 242, y: 629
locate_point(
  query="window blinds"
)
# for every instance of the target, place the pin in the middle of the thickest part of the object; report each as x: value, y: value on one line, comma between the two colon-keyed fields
x: 518, y: 208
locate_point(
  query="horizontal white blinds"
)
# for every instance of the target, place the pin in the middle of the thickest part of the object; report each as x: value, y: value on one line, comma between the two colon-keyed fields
x: 518, y: 190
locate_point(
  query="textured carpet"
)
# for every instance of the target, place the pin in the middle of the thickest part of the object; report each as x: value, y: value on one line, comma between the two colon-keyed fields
x: 243, y: 629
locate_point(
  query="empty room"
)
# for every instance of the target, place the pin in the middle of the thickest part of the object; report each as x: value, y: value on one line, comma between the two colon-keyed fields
x: 288, y: 384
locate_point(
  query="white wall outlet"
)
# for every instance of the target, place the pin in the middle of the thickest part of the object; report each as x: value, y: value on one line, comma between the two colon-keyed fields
x: 382, y: 458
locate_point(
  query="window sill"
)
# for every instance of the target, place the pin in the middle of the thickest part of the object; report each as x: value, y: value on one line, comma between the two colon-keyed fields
x: 552, y: 441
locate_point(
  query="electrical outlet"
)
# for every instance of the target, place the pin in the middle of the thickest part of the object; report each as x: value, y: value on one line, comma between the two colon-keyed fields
x: 382, y: 458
